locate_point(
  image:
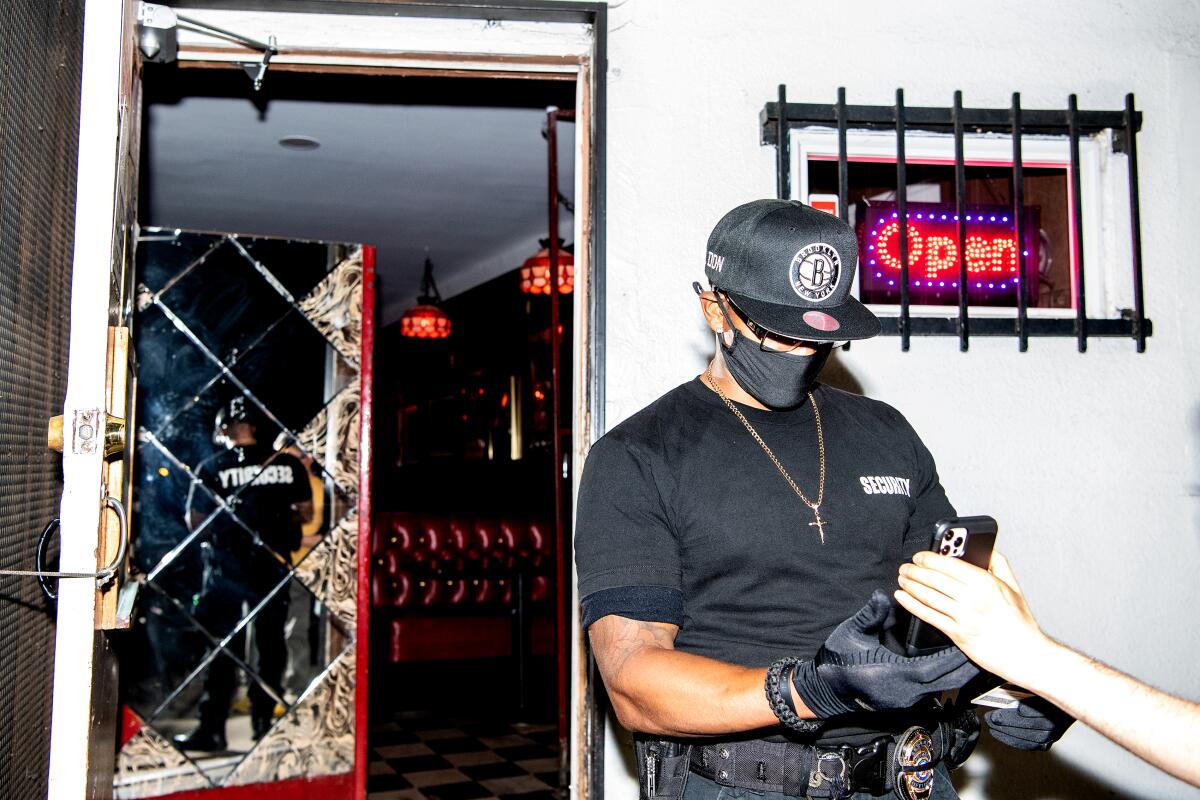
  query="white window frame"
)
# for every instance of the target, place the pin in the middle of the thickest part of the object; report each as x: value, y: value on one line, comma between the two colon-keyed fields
x: 1101, y: 182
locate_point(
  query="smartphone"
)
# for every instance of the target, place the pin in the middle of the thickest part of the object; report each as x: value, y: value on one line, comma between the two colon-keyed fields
x: 970, y: 538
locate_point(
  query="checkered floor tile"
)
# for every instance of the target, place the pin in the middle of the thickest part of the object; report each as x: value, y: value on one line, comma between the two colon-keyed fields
x: 417, y: 757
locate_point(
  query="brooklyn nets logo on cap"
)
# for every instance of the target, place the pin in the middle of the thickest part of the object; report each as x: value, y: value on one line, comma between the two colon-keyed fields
x: 814, y: 271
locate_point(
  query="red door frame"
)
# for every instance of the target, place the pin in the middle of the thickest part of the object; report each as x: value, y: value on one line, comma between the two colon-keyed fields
x: 363, y: 619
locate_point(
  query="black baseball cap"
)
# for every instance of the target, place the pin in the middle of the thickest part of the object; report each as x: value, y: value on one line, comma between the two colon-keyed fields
x: 789, y: 267
x: 237, y: 409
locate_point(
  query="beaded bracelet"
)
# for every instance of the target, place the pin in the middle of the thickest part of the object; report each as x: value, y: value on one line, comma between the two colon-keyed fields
x: 779, y: 695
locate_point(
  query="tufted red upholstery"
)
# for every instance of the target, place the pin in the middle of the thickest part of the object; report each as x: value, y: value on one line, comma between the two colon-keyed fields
x: 414, y: 638
x: 442, y: 587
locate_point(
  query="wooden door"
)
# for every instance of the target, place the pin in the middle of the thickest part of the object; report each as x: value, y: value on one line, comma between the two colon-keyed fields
x: 95, y: 461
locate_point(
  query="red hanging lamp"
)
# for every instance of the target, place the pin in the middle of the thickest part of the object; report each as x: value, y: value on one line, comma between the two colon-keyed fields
x: 535, y: 272
x: 426, y: 320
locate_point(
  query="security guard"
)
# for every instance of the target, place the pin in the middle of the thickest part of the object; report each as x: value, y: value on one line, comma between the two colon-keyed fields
x: 728, y: 534
x: 246, y: 555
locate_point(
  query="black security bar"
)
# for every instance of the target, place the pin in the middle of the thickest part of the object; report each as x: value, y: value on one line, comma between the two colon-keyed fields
x: 1072, y: 123
x: 1077, y: 221
x: 960, y: 212
x: 902, y: 210
x: 1018, y: 199
x: 1132, y: 124
x: 925, y: 118
x: 843, y: 163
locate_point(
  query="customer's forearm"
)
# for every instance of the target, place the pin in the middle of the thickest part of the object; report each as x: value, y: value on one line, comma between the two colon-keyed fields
x: 1151, y: 724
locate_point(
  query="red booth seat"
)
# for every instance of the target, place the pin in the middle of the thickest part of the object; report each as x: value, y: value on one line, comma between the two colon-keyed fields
x: 416, y: 638
x: 444, y: 587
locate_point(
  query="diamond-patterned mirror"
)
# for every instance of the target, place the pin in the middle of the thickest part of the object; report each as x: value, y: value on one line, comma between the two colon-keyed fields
x: 224, y: 302
x: 245, y: 529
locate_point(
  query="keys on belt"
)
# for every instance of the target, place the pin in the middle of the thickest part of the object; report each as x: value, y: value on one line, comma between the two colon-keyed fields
x: 847, y: 769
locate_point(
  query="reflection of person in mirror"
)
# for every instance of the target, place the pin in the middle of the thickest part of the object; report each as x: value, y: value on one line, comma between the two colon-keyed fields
x: 245, y: 559
x: 985, y: 614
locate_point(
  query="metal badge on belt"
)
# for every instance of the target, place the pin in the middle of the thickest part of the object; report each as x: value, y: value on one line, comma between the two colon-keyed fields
x: 914, y: 764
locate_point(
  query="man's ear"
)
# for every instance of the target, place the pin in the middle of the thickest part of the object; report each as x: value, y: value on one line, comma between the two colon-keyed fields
x: 712, y: 312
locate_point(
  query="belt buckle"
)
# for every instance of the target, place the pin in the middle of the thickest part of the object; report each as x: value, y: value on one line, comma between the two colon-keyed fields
x: 867, y: 765
x: 914, y: 763
x: 849, y: 769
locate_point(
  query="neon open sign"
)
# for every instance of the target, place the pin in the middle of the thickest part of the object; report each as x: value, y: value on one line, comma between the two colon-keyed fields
x: 990, y: 249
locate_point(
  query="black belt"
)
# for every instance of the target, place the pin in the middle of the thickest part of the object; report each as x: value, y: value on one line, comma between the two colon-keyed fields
x: 800, y: 770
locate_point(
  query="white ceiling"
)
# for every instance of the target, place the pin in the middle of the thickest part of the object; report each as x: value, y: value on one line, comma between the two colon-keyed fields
x: 467, y: 182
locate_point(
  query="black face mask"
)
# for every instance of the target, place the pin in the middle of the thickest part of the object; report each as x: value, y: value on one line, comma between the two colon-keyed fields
x: 777, y: 380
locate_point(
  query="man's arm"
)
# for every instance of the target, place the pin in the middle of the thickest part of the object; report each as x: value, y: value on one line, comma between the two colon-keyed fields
x: 986, y: 615
x: 302, y: 499
x: 656, y: 689
x: 304, y: 511
x: 193, y: 518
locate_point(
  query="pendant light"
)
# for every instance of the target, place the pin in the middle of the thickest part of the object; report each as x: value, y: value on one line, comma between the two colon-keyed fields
x: 535, y: 272
x: 426, y: 320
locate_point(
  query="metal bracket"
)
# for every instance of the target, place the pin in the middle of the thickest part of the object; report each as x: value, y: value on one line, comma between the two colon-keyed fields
x: 256, y: 72
x: 158, y: 38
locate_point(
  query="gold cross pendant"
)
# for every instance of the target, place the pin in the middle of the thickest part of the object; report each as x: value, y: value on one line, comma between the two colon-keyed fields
x: 819, y: 524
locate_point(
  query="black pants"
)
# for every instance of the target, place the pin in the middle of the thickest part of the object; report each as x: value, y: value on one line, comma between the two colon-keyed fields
x: 223, y: 597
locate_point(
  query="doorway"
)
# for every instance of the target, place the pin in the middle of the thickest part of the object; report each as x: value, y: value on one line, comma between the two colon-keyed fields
x: 467, y: 210
x: 446, y: 39
x: 471, y: 538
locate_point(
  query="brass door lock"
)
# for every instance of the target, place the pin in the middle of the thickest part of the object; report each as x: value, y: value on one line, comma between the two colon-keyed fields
x: 114, y: 435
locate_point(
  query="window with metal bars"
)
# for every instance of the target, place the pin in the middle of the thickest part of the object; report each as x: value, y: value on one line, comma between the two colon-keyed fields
x: 988, y: 211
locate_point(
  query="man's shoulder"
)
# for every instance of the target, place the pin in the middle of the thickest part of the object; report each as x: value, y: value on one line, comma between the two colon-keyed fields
x: 286, y: 458
x: 863, y: 409
x: 214, y: 462
x: 644, y: 425
x: 641, y: 433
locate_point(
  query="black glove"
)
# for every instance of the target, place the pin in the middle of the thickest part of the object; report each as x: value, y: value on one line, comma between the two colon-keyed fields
x: 1034, y: 724
x: 964, y: 735
x: 853, y: 670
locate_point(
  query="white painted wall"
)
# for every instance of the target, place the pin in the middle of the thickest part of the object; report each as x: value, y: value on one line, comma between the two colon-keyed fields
x: 1091, y: 462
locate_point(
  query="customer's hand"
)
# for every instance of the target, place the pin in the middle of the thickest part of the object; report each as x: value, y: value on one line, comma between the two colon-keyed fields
x: 982, y: 612
x: 853, y: 670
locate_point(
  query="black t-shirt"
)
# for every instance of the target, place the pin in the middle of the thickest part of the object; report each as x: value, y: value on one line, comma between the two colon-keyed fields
x: 262, y: 488
x: 682, y: 518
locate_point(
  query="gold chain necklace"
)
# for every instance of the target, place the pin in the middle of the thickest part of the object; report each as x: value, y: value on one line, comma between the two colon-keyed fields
x: 815, y: 506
